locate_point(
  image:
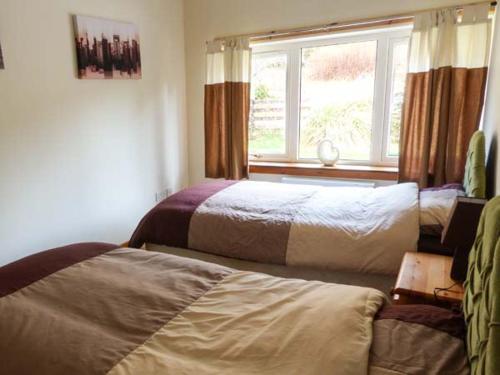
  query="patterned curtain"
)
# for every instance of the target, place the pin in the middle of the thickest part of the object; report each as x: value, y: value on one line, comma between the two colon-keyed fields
x: 227, y: 104
x: 444, y: 95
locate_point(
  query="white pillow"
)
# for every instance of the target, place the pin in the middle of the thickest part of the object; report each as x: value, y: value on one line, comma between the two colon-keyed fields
x: 435, y: 206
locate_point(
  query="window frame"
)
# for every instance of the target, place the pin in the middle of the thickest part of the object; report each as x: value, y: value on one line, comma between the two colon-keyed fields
x: 385, y: 158
x: 386, y: 39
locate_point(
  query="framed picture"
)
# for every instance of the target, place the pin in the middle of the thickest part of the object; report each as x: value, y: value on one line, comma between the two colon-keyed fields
x: 2, y: 65
x: 107, y: 49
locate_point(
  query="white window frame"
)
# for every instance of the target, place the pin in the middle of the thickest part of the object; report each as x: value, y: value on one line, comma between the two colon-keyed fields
x: 386, y: 39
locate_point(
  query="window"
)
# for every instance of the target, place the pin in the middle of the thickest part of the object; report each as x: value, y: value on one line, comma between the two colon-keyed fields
x: 267, y: 125
x: 336, y: 98
x: 348, y: 88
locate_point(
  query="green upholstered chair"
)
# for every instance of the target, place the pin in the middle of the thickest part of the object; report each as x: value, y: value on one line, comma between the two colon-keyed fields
x: 475, y: 168
x: 482, y: 294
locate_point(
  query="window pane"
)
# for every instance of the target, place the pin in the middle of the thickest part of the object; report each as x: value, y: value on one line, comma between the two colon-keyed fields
x: 399, y: 68
x: 337, y: 85
x: 267, y: 127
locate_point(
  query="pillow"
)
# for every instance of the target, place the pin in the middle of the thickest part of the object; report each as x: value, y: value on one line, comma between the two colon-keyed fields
x: 455, y: 186
x: 435, y: 207
x: 418, y: 339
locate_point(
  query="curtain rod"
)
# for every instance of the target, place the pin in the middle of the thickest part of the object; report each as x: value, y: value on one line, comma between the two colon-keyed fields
x: 366, y: 22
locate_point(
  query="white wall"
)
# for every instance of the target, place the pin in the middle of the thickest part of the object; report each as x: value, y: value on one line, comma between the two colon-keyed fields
x: 81, y: 160
x: 491, y: 120
x: 206, y: 20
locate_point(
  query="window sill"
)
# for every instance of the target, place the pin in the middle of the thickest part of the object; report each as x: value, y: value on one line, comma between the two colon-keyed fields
x: 362, y: 172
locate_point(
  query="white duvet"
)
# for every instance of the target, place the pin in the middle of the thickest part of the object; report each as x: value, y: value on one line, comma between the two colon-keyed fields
x: 339, y: 228
x: 359, y: 229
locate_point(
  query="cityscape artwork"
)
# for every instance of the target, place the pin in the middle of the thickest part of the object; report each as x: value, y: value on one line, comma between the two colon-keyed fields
x: 107, y: 49
x: 2, y: 66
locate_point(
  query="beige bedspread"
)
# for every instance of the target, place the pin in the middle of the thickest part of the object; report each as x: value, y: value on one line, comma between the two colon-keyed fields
x: 95, y: 309
x: 256, y: 324
x: 128, y: 311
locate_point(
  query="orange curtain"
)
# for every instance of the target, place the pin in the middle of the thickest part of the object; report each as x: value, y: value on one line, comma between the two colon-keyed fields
x: 227, y: 106
x: 441, y: 112
x: 444, y: 94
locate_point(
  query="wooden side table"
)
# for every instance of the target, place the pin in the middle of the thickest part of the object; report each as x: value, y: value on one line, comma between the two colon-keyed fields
x: 425, y: 278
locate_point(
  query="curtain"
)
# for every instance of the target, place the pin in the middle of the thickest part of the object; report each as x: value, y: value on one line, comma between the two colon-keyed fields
x: 444, y: 93
x: 227, y: 105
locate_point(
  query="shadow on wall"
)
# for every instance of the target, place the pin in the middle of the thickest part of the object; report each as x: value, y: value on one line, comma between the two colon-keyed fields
x: 491, y: 168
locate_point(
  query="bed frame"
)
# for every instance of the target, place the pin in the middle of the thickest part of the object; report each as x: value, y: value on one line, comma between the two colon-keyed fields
x: 475, y: 167
x: 482, y: 294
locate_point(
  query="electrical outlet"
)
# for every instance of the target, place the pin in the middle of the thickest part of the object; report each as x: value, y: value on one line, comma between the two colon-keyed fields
x: 161, y: 195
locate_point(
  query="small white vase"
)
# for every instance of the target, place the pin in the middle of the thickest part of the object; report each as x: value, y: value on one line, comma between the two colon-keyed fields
x: 328, y: 154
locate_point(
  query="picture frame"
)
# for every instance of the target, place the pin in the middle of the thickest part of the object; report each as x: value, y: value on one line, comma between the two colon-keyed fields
x: 107, y: 49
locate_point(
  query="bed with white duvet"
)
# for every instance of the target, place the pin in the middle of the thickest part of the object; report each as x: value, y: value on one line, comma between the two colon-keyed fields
x: 337, y: 228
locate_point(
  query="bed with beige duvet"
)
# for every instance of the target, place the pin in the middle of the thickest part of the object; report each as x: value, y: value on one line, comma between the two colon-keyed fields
x: 97, y: 309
